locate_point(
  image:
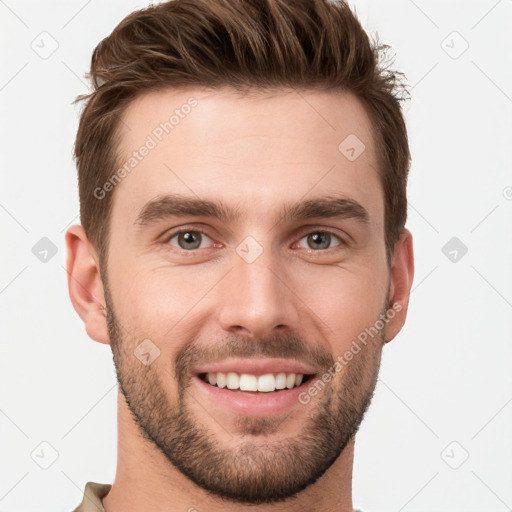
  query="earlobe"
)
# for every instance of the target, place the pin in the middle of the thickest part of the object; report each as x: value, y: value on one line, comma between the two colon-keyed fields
x: 85, y: 285
x: 402, y: 275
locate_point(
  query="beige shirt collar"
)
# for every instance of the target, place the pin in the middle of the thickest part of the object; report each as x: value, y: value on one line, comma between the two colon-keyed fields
x: 93, y: 495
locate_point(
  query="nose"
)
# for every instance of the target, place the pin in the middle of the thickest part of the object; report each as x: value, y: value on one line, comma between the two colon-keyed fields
x: 258, y: 297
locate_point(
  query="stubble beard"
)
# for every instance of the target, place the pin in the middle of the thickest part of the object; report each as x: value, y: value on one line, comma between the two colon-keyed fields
x: 246, y: 471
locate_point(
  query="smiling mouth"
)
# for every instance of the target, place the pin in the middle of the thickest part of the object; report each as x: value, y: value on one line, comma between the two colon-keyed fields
x: 255, y: 384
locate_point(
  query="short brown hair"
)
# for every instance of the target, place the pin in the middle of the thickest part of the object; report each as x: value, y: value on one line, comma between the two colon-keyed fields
x: 247, y: 45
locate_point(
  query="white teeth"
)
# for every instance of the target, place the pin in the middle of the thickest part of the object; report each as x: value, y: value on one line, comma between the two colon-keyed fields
x: 263, y: 383
x: 281, y: 381
x: 232, y: 381
x: 221, y: 380
x: 266, y: 383
x: 248, y: 382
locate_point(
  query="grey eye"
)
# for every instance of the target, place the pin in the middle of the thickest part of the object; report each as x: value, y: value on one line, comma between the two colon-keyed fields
x: 188, y: 239
x: 319, y: 240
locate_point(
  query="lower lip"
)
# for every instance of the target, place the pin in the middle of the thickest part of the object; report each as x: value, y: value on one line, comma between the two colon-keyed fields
x: 253, y: 404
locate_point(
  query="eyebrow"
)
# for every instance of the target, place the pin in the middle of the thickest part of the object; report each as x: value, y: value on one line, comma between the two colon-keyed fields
x: 172, y: 205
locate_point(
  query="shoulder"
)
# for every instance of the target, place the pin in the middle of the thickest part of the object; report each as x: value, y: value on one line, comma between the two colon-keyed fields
x: 93, y: 494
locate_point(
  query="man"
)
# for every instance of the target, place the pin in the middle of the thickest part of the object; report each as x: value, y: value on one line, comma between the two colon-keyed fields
x: 242, y: 176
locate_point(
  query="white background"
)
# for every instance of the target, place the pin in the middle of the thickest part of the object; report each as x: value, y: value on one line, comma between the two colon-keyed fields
x: 445, y: 388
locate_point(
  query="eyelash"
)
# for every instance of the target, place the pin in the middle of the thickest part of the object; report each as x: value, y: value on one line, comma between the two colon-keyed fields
x: 171, y: 235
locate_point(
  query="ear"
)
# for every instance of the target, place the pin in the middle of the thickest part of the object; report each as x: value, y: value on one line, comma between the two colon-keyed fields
x: 85, y: 285
x: 402, y: 274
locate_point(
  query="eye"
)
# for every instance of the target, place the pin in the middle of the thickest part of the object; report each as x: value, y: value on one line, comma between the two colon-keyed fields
x: 321, y: 240
x: 188, y: 239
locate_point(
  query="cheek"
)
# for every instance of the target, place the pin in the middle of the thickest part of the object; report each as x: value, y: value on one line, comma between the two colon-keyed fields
x: 346, y: 300
x: 161, y: 302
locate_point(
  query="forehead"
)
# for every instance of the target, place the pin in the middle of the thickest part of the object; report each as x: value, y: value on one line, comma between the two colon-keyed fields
x: 257, y: 150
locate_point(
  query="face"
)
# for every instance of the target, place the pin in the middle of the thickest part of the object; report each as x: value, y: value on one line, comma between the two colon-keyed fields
x: 245, y: 242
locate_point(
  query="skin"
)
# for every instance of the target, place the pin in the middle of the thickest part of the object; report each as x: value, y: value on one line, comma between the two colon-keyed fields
x: 294, y: 300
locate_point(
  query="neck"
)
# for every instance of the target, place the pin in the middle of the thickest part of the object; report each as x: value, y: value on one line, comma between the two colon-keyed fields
x: 146, y: 480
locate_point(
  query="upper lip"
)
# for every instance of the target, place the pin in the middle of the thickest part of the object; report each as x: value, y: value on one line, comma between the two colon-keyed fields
x: 255, y: 366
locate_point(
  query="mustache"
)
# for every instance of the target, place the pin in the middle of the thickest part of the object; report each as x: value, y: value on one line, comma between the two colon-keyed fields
x: 276, y: 345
